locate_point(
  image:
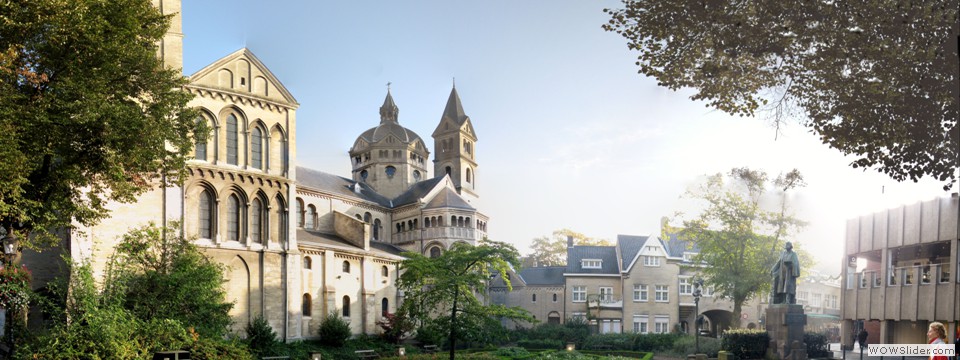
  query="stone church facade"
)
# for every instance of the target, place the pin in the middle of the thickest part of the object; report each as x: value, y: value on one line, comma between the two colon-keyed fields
x: 300, y: 243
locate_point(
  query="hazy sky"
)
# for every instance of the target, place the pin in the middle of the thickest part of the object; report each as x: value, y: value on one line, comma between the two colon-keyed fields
x: 570, y: 136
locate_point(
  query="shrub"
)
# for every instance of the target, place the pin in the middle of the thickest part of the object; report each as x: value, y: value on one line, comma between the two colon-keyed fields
x: 746, y: 344
x: 512, y: 352
x: 654, y: 342
x: 540, y: 344
x: 611, y: 341
x: 686, y: 345
x: 334, y: 330
x: 817, y: 345
x: 395, y: 327
x: 261, y: 338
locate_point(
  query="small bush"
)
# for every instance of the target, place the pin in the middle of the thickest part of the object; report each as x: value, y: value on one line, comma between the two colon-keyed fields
x: 686, y: 345
x: 610, y: 341
x: 540, y: 344
x: 817, y: 345
x: 261, y: 337
x: 512, y: 352
x: 746, y: 344
x: 334, y: 330
x: 654, y: 342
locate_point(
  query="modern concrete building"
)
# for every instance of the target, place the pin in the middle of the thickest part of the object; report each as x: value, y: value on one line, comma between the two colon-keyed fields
x: 900, y: 272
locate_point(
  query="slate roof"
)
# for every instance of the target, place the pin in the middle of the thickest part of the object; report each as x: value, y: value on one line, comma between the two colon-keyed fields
x: 454, y: 109
x: 545, y: 275
x: 630, y: 245
x: 315, y: 238
x: 447, y: 198
x: 417, y: 191
x: 607, y: 254
x: 338, y: 185
x: 676, y: 247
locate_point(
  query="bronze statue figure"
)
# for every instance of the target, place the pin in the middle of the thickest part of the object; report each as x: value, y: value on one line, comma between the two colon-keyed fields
x: 785, y: 273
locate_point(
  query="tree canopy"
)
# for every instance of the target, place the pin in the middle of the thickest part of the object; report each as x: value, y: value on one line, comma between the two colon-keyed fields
x: 876, y: 80
x: 442, y: 292
x: 738, y: 239
x: 88, y: 112
x: 552, y: 251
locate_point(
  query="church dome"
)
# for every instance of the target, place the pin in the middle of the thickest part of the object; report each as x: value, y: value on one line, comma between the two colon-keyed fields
x: 389, y: 126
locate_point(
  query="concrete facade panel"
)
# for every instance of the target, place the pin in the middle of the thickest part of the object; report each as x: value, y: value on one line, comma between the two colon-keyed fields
x: 930, y: 221
x: 948, y: 218
x: 895, y: 227
x: 911, y: 224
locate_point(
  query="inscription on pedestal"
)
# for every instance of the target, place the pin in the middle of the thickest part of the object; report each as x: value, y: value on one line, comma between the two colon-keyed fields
x: 794, y: 319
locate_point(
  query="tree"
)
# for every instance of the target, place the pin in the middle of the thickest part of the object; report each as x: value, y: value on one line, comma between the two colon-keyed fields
x: 443, y: 291
x: 738, y: 240
x: 169, y: 278
x: 552, y: 251
x: 877, y: 80
x: 88, y: 112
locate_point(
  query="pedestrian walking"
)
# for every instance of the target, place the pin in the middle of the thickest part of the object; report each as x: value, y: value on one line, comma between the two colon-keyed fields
x: 862, y: 339
x: 936, y: 334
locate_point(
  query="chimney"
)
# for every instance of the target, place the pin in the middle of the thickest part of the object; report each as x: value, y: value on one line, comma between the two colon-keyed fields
x: 569, y: 241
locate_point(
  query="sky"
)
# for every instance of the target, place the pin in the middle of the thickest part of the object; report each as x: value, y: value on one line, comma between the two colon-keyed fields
x: 569, y: 135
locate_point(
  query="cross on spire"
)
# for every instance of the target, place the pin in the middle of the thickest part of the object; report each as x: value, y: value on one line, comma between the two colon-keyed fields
x: 388, y: 85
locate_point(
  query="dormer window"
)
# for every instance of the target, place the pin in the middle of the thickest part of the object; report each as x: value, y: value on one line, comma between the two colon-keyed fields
x: 651, y: 261
x: 688, y: 256
x: 591, y: 263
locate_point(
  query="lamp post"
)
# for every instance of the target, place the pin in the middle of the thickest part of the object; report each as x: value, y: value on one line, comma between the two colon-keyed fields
x: 697, y: 293
x: 9, y: 249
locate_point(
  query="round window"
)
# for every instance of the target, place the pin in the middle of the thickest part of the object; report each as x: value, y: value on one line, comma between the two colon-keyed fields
x: 416, y: 175
x: 363, y: 175
x: 390, y: 171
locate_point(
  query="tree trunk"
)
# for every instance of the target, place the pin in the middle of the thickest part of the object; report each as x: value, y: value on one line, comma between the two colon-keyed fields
x: 737, y: 310
x: 453, y: 323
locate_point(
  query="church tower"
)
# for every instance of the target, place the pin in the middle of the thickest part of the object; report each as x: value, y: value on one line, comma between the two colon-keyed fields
x: 389, y: 157
x: 454, y: 143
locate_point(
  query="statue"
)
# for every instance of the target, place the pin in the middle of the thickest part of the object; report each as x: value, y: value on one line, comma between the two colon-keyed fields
x: 785, y: 273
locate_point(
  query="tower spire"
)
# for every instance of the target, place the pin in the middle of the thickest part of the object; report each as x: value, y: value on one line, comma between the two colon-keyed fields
x: 389, y: 110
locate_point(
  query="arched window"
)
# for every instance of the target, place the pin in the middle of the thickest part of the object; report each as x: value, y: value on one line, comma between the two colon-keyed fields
x: 554, y: 297
x: 367, y: 217
x: 364, y: 174
x: 307, y: 263
x: 435, y: 252
x: 283, y: 220
x: 346, y: 267
x: 256, y: 148
x: 233, y: 218
x: 311, y: 217
x: 426, y: 222
x: 467, y: 222
x: 346, y: 306
x: 307, y: 305
x: 206, y: 215
x: 534, y: 298
x: 200, y: 151
x: 469, y: 175
x: 358, y: 217
x: 384, y: 272
x: 256, y: 221
x: 384, y: 307
x: 299, y: 212
x: 448, y: 170
x: 453, y: 221
x: 232, y: 144
x: 376, y: 229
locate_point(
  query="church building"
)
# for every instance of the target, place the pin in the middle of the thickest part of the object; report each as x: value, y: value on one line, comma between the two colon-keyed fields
x: 299, y: 243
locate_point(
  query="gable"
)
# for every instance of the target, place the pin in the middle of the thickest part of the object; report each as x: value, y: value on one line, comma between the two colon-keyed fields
x: 445, y: 126
x: 243, y: 73
x: 467, y: 128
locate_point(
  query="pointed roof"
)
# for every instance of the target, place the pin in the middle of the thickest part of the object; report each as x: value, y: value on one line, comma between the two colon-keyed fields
x: 389, y: 110
x: 448, y: 198
x: 207, y: 76
x: 454, y: 109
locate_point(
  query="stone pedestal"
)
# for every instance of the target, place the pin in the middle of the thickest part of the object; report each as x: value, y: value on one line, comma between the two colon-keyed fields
x: 785, y: 325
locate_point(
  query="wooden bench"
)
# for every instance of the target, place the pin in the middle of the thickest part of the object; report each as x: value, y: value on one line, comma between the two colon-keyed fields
x: 367, y: 354
x: 430, y: 349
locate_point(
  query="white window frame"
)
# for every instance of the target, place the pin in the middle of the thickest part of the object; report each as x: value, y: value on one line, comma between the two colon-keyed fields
x: 591, y: 264
x: 640, y: 293
x: 661, y: 324
x: 802, y: 296
x: 661, y: 293
x: 651, y: 261
x: 641, y: 324
x: 815, y: 299
x: 686, y: 287
x: 581, y: 291
x: 606, y: 293
x: 578, y: 315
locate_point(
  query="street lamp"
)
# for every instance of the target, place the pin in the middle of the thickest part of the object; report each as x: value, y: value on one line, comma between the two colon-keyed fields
x: 697, y: 293
x: 9, y: 249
